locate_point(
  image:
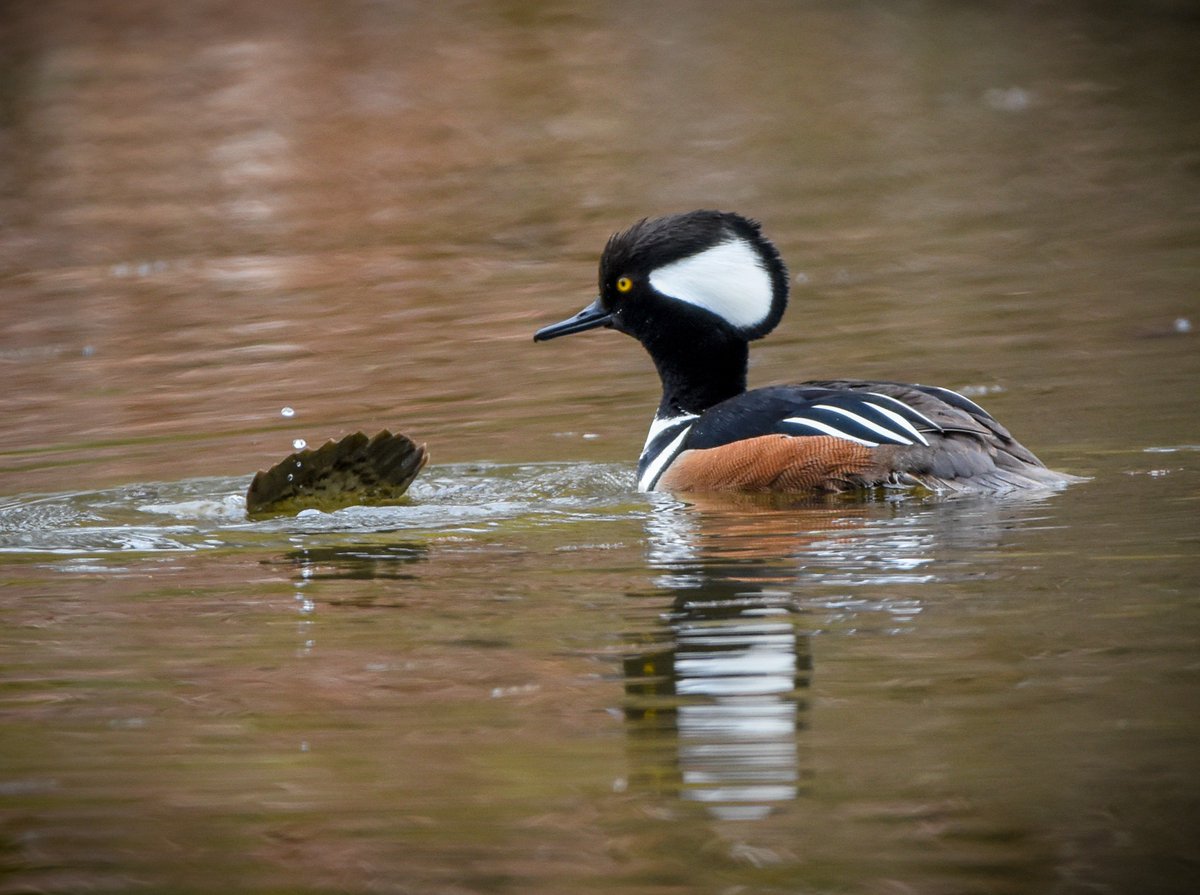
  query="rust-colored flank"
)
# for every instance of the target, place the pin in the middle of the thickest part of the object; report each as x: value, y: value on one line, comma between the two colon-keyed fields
x: 772, y: 463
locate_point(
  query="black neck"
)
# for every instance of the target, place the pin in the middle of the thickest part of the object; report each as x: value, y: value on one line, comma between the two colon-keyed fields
x: 698, y: 375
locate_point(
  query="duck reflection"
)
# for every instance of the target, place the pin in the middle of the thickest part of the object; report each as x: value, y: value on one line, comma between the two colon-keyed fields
x: 716, y: 686
x: 356, y: 562
x: 715, y: 712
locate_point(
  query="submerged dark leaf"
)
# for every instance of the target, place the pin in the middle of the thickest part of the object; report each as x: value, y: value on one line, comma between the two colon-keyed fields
x: 355, y: 470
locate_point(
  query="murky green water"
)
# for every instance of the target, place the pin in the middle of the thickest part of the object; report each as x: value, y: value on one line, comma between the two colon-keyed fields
x: 532, y: 678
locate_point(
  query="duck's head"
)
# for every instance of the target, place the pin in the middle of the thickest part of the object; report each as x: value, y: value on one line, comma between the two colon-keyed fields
x: 685, y: 280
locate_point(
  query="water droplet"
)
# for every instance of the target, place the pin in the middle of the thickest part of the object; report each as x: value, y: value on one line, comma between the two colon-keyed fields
x: 288, y: 412
x: 1183, y: 325
x: 1007, y: 99
x: 290, y: 477
x: 299, y: 444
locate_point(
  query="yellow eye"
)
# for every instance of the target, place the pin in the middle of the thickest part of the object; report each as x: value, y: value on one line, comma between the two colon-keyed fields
x: 624, y: 284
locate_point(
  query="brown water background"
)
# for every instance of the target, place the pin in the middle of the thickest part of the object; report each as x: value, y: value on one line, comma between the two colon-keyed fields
x: 533, y: 678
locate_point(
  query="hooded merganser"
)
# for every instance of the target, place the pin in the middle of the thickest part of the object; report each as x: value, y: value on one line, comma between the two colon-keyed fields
x: 695, y: 289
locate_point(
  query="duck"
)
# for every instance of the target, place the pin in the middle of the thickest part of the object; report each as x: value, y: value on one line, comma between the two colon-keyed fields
x: 695, y: 289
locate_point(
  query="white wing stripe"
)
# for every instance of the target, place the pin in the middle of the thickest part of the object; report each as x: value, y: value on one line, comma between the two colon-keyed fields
x: 829, y: 430
x: 887, y: 433
x: 961, y: 397
x: 902, y: 423
x: 907, y: 408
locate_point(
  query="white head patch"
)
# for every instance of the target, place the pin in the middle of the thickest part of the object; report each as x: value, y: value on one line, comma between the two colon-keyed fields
x: 729, y: 279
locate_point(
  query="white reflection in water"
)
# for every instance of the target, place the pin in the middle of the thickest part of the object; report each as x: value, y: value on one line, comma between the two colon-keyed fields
x: 737, y: 751
x: 715, y: 706
x: 716, y: 703
x: 716, y: 717
x: 672, y: 535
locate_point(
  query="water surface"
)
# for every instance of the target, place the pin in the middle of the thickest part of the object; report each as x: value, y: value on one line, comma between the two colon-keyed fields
x: 531, y: 678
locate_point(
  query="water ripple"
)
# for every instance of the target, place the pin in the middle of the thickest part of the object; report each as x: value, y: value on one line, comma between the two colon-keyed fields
x: 203, y: 514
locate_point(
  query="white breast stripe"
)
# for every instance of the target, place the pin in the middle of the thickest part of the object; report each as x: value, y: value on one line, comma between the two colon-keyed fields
x: 660, y: 424
x: 911, y: 410
x: 902, y: 423
x: 729, y: 279
x: 865, y: 423
x: 650, y: 477
x: 829, y: 430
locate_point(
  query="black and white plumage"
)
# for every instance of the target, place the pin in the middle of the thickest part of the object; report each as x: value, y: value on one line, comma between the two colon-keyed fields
x: 695, y: 289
